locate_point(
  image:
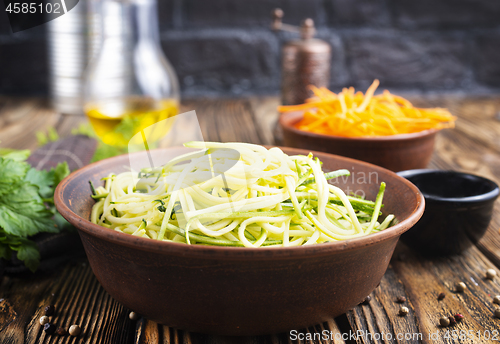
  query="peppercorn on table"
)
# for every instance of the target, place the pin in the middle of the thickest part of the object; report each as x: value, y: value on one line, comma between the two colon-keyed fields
x: 419, y: 300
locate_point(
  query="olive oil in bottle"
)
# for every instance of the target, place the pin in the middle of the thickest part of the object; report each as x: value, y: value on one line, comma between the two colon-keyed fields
x: 130, y: 85
x: 116, y: 123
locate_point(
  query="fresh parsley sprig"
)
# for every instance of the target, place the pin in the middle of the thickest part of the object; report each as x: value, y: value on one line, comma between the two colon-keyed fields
x: 26, y: 205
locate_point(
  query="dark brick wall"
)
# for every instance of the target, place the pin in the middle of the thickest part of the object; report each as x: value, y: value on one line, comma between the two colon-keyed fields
x: 446, y: 14
x: 216, y: 61
x: 23, y: 59
x: 423, y: 60
x: 224, y: 47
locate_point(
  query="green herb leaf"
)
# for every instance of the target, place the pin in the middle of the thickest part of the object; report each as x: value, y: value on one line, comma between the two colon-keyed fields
x: 47, y: 180
x: 11, y: 172
x: 60, y: 172
x: 53, y: 135
x: 105, y: 151
x: 14, y: 154
x: 28, y: 253
x: 50, y: 136
x: 43, y: 179
x: 84, y: 129
x: 23, y: 213
x: 5, y: 251
x: 128, y: 126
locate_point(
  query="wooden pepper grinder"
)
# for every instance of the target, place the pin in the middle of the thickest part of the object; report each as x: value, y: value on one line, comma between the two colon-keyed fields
x: 304, y: 62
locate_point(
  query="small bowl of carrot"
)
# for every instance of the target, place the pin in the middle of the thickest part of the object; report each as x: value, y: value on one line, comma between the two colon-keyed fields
x: 383, y: 129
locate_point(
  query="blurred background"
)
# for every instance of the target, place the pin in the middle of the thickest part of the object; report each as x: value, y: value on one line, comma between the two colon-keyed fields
x: 226, y: 47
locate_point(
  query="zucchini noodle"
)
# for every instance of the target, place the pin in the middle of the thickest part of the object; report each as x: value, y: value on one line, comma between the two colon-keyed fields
x: 236, y: 194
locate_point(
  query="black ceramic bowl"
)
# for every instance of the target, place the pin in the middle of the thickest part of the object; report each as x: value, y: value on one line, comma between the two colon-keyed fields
x: 457, y: 212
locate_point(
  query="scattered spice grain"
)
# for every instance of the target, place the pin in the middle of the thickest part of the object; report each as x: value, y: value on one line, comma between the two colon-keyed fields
x: 441, y: 296
x: 133, y: 316
x: 403, y: 311
x: 74, y: 330
x: 444, y: 321
x: 61, y: 331
x: 367, y: 300
x: 461, y: 287
x: 496, y: 299
x: 458, y: 317
x: 491, y: 274
x: 49, y: 328
x: 401, y: 299
x: 49, y: 310
x: 44, y: 319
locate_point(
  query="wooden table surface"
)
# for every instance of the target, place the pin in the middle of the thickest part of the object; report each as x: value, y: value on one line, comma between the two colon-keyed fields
x: 473, y: 146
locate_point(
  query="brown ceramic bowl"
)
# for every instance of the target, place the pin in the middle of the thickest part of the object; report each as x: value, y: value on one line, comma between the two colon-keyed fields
x: 235, y: 290
x: 396, y: 153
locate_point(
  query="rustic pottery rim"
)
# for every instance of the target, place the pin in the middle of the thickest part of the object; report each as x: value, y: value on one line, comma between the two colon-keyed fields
x: 241, y: 253
x: 297, y: 116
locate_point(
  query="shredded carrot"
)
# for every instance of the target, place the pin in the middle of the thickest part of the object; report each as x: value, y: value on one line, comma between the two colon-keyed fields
x: 353, y: 114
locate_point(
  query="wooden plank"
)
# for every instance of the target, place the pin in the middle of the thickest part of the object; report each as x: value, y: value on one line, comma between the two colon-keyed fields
x: 478, y: 117
x: 421, y: 281
x: 27, y: 304
x: 67, y: 123
x: 479, y: 121
x: 228, y: 120
x: 325, y: 333
x: 378, y: 321
x: 266, y: 117
x: 147, y: 332
x: 461, y: 152
x: 81, y: 299
x: 465, y: 150
x: 21, y: 119
x: 78, y: 298
x: 425, y: 278
x: 472, y: 147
